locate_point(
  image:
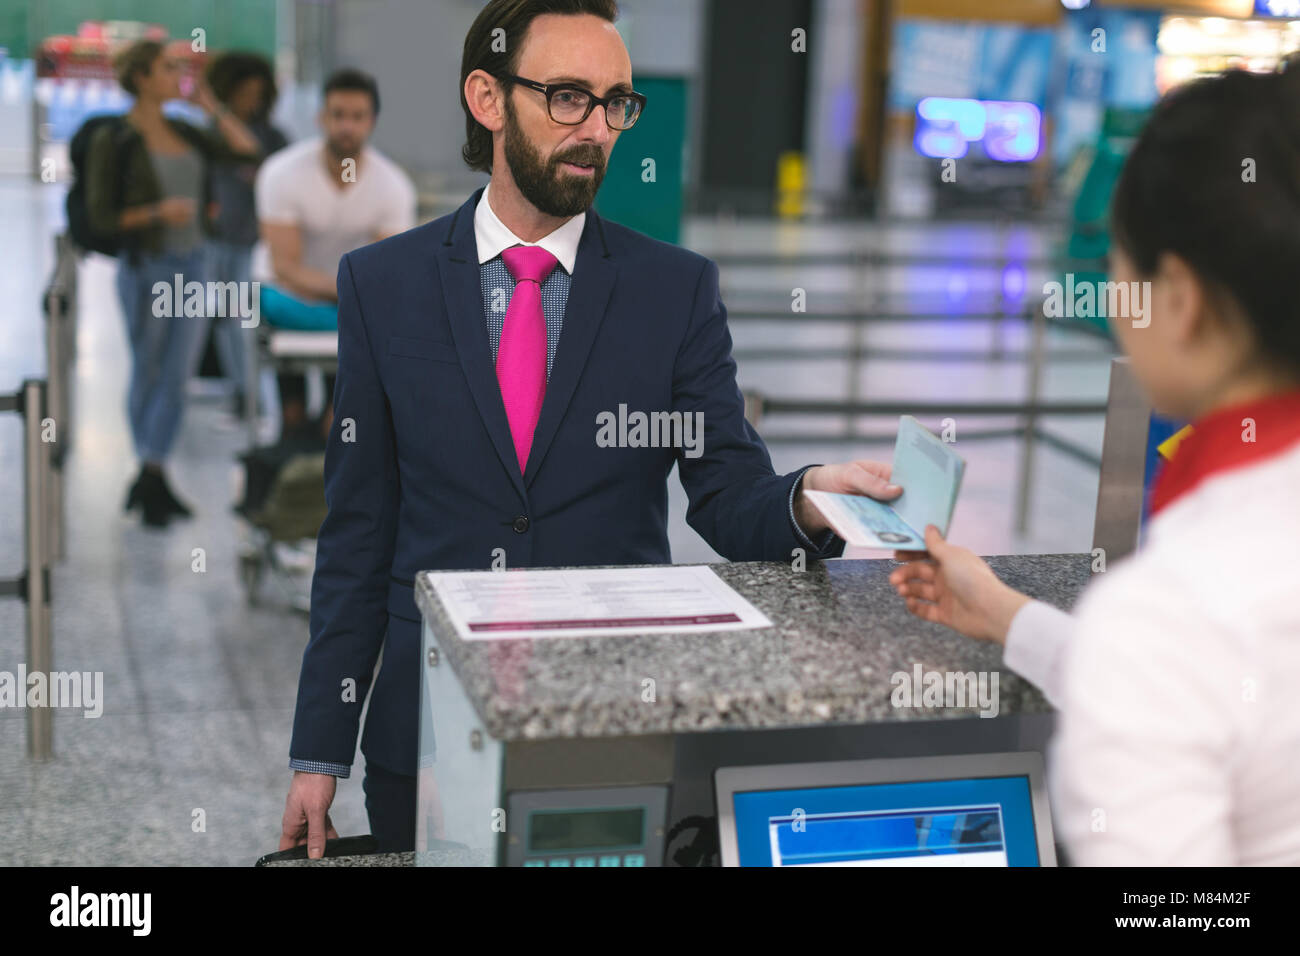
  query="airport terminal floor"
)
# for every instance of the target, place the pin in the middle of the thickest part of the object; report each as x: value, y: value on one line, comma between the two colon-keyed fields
x: 200, y: 686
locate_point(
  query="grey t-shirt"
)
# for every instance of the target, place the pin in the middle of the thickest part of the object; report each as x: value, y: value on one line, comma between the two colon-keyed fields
x: 181, y: 174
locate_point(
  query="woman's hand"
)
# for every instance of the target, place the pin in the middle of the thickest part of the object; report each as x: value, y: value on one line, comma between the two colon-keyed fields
x: 177, y: 210
x: 233, y: 130
x: 955, y: 587
x: 203, y: 97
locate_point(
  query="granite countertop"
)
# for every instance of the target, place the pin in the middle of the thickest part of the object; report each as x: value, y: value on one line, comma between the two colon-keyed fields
x: 449, y: 854
x: 839, y: 634
x: 365, y: 859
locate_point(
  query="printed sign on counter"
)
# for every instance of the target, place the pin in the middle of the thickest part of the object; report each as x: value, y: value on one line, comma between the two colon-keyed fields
x: 675, y: 599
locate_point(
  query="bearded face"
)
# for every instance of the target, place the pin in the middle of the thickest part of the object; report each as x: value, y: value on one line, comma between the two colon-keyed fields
x: 547, y: 182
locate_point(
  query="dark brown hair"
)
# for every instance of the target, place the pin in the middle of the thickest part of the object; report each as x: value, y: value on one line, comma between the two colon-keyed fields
x: 348, y: 79
x: 136, y: 59
x: 230, y: 69
x: 514, y: 17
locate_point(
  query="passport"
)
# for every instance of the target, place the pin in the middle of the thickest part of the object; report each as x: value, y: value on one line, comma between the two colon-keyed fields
x: 929, y: 472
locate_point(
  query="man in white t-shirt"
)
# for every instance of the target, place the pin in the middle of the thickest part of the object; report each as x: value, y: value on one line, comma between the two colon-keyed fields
x: 316, y: 201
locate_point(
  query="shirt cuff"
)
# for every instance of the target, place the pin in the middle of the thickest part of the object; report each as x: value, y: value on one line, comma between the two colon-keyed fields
x: 321, y: 766
x: 1036, y: 644
x: 828, y: 537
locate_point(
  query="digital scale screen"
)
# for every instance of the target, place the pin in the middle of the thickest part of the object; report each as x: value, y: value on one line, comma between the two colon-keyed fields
x: 617, y: 826
x: 963, y: 822
x: 552, y: 831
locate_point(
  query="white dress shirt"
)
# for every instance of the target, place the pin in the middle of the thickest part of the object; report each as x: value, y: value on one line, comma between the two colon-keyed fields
x: 1178, y: 684
x: 492, y: 235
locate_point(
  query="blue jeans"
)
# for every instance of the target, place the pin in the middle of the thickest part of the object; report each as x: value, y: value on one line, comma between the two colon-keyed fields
x: 230, y: 262
x: 164, y: 348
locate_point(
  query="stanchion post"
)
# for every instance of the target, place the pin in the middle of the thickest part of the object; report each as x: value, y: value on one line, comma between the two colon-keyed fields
x: 1027, y: 447
x: 997, y: 350
x: 36, y: 465
x: 253, y: 382
x: 56, y: 406
x: 867, y: 283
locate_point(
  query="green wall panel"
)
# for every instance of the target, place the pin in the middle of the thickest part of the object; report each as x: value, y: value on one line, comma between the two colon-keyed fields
x: 654, y: 208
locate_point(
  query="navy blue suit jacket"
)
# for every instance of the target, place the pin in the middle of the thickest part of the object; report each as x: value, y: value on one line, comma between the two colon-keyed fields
x: 430, y: 479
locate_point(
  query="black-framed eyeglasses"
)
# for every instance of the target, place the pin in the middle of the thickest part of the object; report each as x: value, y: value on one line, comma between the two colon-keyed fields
x: 570, y: 105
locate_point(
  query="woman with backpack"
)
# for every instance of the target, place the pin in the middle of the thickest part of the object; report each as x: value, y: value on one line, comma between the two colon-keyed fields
x: 147, y: 185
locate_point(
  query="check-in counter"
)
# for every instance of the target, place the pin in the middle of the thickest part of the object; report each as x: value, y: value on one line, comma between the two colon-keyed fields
x: 516, y: 730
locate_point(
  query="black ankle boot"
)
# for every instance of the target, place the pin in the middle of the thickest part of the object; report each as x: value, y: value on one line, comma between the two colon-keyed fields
x: 174, y: 504
x: 153, y: 502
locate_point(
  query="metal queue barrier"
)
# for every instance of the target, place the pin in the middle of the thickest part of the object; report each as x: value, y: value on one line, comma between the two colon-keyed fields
x: 1030, y: 412
x: 45, y: 406
x: 869, y: 309
x: 33, y: 585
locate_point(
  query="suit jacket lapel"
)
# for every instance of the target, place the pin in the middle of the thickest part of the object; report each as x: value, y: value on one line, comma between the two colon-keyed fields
x: 462, y: 294
x: 589, y: 292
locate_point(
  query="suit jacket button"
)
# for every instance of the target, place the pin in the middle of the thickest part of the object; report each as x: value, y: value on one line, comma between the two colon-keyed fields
x: 521, y: 524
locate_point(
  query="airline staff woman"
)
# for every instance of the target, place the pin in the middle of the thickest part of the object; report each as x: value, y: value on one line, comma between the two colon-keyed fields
x: 1177, y: 679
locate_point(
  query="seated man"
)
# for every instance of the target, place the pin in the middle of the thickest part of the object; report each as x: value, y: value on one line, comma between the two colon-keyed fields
x: 316, y: 201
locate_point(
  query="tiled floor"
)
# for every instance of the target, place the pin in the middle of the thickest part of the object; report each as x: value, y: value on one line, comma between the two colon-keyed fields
x: 199, y: 687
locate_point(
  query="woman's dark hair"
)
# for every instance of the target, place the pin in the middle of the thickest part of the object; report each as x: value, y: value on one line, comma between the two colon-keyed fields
x: 498, y: 53
x: 134, y: 60
x: 1215, y: 179
x: 350, y: 79
x: 229, y: 70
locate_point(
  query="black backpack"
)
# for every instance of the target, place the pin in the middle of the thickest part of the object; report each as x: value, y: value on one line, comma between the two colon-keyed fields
x: 78, y: 216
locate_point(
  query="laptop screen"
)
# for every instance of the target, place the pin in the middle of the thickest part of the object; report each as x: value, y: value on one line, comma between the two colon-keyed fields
x: 976, y: 821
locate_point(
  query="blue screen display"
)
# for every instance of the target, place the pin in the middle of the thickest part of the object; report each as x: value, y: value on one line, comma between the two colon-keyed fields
x: 984, y: 821
x: 1289, y: 9
x: 1009, y: 132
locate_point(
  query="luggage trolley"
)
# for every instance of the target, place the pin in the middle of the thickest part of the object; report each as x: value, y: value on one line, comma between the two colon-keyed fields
x: 287, y: 350
x: 292, y: 509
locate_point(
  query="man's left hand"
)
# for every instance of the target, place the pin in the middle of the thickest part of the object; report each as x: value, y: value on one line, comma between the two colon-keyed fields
x: 870, y: 478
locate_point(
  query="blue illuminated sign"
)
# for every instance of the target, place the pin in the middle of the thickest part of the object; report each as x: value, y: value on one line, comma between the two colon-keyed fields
x: 1287, y: 9
x: 1009, y: 131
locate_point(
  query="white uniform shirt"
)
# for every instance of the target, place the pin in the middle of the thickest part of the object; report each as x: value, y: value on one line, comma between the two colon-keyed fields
x: 1178, y: 684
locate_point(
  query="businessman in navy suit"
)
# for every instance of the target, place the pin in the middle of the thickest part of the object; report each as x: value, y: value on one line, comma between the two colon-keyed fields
x: 476, y: 353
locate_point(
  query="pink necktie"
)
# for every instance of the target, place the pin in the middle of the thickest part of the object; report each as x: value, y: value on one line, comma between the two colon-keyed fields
x: 521, y: 357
